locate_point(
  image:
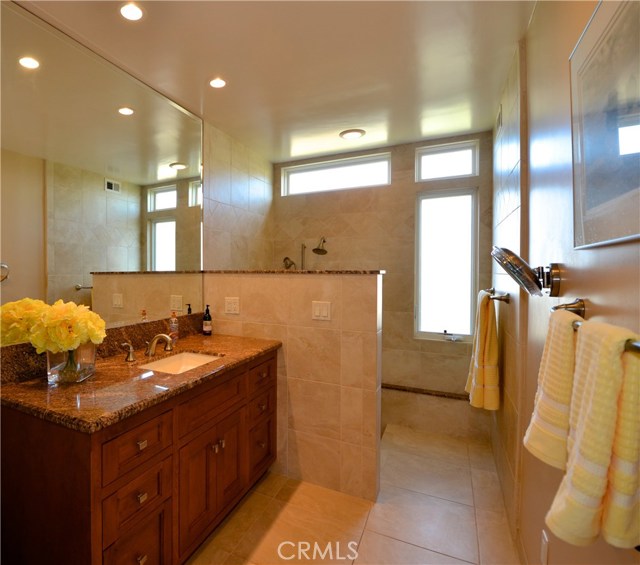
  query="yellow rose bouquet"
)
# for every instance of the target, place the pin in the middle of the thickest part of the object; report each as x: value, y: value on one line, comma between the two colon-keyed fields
x: 68, y: 332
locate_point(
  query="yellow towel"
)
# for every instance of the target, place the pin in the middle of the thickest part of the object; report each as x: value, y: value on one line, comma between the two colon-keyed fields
x: 546, y: 436
x: 600, y: 491
x: 483, y: 379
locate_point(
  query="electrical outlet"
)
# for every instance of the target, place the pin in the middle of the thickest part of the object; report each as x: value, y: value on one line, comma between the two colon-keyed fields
x: 117, y: 301
x: 176, y: 302
x: 232, y: 305
x: 544, y: 548
x: 320, y: 310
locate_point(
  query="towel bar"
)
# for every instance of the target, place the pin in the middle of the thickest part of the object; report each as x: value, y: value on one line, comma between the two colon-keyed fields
x: 500, y: 297
x: 630, y: 344
x: 80, y: 287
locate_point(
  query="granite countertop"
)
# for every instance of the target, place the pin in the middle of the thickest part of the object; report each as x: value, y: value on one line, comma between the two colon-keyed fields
x: 120, y: 389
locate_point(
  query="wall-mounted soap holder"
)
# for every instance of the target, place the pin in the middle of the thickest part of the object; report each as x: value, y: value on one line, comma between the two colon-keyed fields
x: 533, y: 280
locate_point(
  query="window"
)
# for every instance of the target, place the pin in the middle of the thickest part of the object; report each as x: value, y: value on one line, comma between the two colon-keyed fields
x: 163, y: 245
x: 163, y: 198
x: 446, y: 255
x: 195, y: 193
x: 340, y: 174
x: 447, y: 161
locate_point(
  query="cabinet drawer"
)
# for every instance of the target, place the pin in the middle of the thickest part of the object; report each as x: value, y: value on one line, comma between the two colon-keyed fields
x: 122, y: 454
x: 262, y: 375
x: 262, y: 405
x: 133, y: 500
x: 262, y: 446
x: 147, y: 543
x: 201, y: 409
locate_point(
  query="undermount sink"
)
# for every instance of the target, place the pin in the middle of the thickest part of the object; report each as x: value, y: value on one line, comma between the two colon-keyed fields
x: 181, y: 362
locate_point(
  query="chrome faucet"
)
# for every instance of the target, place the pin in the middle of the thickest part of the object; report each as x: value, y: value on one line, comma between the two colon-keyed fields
x: 151, y: 346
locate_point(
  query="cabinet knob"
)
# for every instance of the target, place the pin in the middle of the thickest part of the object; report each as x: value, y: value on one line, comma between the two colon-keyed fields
x: 262, y: 407
x: 142, y: 444
x: 215, y: 447
x: 141, y: 559
x: 222, y: 444
x: 142, y: 496
x: 262, y: 444
x: 264, y: 374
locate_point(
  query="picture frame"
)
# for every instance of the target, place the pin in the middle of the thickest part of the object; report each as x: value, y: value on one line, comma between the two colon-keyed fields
x: 605, y: 124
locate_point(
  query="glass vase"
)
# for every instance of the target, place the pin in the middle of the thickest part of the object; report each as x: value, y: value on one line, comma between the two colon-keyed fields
x: 71, y: 366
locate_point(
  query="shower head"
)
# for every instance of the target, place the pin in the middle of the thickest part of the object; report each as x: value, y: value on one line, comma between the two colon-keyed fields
x: 320, y: 250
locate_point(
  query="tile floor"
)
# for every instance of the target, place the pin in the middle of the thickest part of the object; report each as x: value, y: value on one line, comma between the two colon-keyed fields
x: 439, y: 503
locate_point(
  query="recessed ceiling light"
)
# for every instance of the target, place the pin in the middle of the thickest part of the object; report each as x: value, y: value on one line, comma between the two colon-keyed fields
x: 131, y: 12
x: 125, y: 111
x: 218, y: 82
x: 178, y: 166
x: 352, y: 133
x: 29, y: 62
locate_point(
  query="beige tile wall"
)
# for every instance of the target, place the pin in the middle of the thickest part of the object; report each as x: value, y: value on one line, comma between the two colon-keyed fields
x: 374, y: 228
x: 237, y: 198
x: 328, y: 371
x: 511, y: 231
x: 88, y: 229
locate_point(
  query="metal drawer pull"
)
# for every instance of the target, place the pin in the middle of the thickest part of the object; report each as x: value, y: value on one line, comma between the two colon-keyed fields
x: 264, y: 374
x: 222, y: 443
x: 141, y: 559
x: 142, y: 496
x: 215, y: 447
x: 142, y: 444
x: 262, y: 444
x: 262, y: 407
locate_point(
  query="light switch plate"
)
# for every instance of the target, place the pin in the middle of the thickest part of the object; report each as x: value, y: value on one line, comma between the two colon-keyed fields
x: 320, y: 310
x: 117, y: 301
x: 232, y: 305
x: 176, y: 302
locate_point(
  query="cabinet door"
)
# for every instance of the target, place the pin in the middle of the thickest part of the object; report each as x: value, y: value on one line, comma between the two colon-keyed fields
x: 230, y: 460
x: 198, y: 497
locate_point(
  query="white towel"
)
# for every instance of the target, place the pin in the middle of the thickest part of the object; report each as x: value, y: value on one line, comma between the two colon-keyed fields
x: 600, y: 490
x: 483, y: 380
x: 546, y: 436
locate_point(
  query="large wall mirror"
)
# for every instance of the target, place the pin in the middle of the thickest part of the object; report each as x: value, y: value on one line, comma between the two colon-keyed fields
x: 84, y: 187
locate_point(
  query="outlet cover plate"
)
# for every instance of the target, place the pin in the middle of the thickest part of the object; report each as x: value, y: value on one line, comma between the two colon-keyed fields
x: 176, y: 302
x: 232, y: 305
x: 320, y: 310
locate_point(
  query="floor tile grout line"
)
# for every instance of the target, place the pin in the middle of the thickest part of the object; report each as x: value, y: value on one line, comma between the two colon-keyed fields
x: 427, y: 494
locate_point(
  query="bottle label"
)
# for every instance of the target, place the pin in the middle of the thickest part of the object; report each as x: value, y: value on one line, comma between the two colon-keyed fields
x: 206, y: 327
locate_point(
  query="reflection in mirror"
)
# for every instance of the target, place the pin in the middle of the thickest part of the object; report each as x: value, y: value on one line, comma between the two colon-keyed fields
x: 84, y: 187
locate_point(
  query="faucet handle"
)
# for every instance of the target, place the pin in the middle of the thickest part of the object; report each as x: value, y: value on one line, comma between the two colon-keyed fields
x: 130, y: 356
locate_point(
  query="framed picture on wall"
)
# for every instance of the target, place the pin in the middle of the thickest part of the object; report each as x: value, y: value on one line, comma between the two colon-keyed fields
x: 605, y: 111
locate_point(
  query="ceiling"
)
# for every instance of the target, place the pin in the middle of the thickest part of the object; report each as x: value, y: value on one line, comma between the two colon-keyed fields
x: 300, y: 72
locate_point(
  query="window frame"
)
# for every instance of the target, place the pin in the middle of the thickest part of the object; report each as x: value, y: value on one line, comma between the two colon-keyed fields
x: 473, y: 191
x: 287, y: 170
x: 151, y: 197
x: 472, y: 144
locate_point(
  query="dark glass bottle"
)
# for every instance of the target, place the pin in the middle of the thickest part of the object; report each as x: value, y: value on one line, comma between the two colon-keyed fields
x: 206, y: 322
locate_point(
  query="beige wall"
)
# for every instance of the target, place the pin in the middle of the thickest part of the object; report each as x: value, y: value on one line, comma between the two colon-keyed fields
x: 374, y: 228
x: 23, y: 235
x: 88, y: 229
x: 237, y: 198
x: 328, y: 371
x: 510, y: 220
x: 608, y: 277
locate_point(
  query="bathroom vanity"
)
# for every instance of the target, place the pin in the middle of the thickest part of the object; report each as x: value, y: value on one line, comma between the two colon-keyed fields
x: 132, y: 465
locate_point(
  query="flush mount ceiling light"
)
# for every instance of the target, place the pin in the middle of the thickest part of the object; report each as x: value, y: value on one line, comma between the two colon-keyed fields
x: 352, y: 133
x: 218, y: 82
x: 131, y: 12
x: 29, y: 62
x: 178, y: 166
x: 125, y: 111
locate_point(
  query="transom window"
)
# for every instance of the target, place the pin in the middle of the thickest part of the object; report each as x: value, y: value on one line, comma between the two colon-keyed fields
x: 162, y: 198
x: 447, y: 161
x: 338, y: 174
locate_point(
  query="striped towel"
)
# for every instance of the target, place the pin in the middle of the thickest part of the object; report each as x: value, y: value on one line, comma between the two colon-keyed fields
x: 600, y: 490
x: 546, y: 436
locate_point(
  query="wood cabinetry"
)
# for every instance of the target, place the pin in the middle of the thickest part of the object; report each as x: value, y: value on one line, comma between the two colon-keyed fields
x: 148, y: 489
